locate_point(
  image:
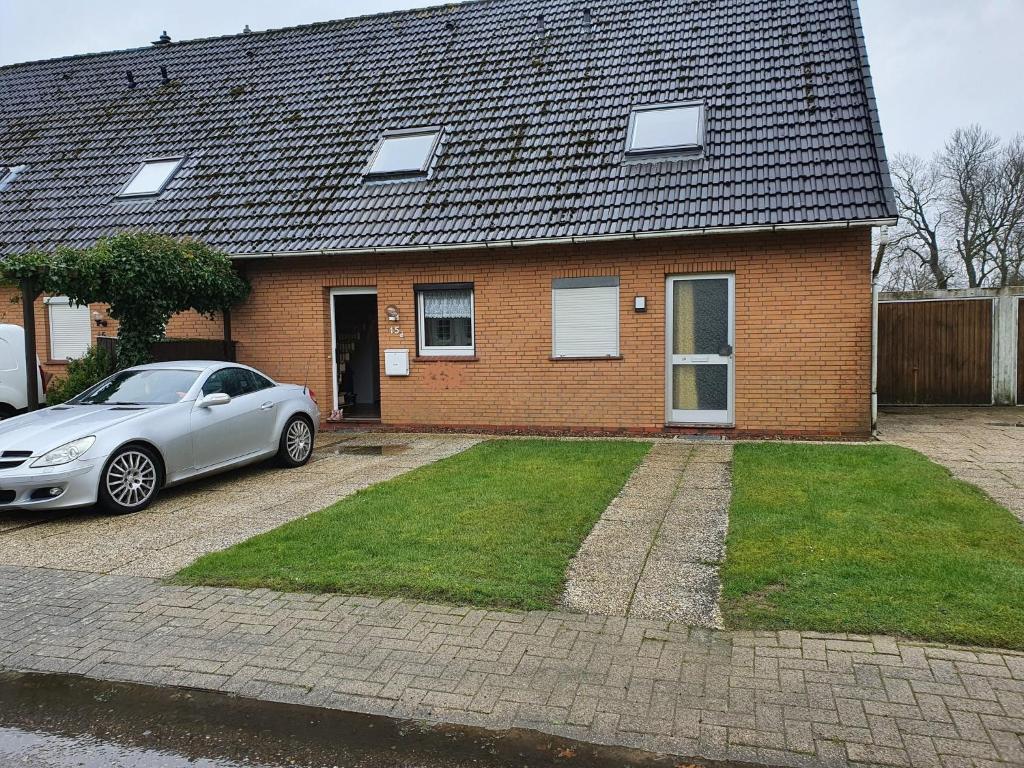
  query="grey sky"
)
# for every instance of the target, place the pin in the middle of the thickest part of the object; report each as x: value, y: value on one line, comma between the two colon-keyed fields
x: 937, y: 64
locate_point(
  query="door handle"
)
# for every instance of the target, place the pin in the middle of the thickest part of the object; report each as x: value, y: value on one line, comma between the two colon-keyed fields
x: 266, y: 406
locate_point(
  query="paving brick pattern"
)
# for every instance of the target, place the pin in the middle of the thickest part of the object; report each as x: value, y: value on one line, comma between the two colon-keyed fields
x: 188, y: 521
x: 983, y: 446
x: 787, y: 698
x: 656, y: 550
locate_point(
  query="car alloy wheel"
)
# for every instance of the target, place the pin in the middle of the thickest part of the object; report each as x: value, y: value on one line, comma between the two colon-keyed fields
x: 131, y: 478
x: 298, y: 440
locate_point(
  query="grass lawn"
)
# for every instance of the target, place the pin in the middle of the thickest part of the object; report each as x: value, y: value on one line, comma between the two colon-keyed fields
x: 495, y: 525
x: 869, y: 539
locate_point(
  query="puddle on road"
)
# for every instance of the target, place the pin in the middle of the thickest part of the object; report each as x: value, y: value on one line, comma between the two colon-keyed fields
x: 371, y: 450
x: 30, y: 749
x: 57, y: 721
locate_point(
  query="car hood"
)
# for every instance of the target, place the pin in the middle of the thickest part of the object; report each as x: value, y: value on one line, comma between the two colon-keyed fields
x: 44, y: 430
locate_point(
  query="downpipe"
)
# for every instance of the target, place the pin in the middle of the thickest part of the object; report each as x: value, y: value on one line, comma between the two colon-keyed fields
x: 883, y: 241
x: 874, y: 357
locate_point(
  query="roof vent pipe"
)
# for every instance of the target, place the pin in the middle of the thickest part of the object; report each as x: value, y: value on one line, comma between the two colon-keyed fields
x: 588, y: 20
x: 541, y: 28
x: 131, y: 79
x: 246, y: 30
x: 164, y: 39
x: 164, y: 79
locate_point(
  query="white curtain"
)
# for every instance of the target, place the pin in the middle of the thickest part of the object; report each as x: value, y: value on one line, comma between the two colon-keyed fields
x: 446, y: 304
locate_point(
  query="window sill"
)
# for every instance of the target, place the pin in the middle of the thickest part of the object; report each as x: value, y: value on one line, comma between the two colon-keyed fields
x: 56, y: 362
x: 446, y: 359
x: 584, y: 359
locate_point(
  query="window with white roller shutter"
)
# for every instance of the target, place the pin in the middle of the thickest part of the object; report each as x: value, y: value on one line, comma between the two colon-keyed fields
x: 70, y: 328
x: 585, y: 317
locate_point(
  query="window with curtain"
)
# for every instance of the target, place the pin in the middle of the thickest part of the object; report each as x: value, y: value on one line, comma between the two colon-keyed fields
x: 445, y: 320
x: 585, y: 317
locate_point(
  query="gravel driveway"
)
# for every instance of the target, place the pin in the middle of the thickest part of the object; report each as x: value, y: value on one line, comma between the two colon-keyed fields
x: 984, y: 446
x: 193, y: 519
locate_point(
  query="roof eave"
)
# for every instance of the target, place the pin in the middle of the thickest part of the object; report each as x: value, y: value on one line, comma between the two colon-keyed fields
x: 496, y: 244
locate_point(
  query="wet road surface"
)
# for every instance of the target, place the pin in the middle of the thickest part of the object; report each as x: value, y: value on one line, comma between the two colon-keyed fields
x: 48, y: 721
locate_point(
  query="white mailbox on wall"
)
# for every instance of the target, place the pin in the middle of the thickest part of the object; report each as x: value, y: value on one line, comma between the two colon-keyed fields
x: 396, y: 362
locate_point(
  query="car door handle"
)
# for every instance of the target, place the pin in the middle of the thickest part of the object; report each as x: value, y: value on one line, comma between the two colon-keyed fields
x: 266, y: 406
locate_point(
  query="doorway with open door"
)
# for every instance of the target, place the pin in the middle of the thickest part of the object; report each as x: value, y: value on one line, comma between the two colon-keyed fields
x: 700, y: 370
x: 356, y: 348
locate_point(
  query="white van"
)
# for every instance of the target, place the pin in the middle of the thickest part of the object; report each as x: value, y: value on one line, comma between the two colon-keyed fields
x: 13, y: 395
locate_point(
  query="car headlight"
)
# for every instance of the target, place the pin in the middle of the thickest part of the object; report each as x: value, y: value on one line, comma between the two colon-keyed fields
x: 65, y: 453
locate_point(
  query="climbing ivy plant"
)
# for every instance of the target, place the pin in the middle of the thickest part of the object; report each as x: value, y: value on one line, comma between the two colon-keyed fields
x: 144, y: 278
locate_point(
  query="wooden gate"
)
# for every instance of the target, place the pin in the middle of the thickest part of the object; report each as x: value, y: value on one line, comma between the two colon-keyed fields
x: 935, y: 352
x: 1020, y: 351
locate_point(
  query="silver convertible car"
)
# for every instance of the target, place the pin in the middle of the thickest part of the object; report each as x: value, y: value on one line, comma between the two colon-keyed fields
x: 143, y: 428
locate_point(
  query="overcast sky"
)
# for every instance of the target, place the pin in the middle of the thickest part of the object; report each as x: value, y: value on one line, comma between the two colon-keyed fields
x: 937, y: 64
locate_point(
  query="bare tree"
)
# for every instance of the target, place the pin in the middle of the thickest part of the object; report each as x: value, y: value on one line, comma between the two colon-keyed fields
x: 920, y: 195
x: 1004, y: 213
x: 968, y: 166
x: 961, y: 216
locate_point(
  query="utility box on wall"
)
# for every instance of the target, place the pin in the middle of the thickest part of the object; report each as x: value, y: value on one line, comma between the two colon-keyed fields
x: 396, y: 362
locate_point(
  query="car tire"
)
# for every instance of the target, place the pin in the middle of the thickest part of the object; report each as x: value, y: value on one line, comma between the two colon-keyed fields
x: 7, y: 412
x: 131, y: 479
x: 296, y: 444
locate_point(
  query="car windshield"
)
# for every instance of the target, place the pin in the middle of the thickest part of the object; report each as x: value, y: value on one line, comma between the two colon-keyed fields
x: 140, y: 387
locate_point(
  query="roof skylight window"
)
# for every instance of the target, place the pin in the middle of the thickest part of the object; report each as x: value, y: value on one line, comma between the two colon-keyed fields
x: 402, y: 154
x: 666, y: 129
x: 9, y: 173
x: 151, y: 177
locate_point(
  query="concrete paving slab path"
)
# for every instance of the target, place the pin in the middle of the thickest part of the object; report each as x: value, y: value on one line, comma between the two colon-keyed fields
x: 656, y: 550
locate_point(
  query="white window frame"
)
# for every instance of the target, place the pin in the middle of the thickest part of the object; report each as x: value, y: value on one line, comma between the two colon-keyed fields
x: 700, y: 418
x: 10, y: 173
x: 575, y: 283
x: 178, y: 159
x: 421, y: 348
x: 668, y: 149
x: 404, y: 173
x: 64, y: 301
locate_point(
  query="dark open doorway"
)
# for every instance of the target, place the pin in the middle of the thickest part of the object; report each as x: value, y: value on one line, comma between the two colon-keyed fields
x: 356, y: 355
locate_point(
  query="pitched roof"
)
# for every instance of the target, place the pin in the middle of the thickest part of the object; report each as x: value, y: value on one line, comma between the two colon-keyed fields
x: 534, y: 97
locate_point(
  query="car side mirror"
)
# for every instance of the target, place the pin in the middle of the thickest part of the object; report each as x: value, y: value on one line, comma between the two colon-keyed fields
x: 214, y: 398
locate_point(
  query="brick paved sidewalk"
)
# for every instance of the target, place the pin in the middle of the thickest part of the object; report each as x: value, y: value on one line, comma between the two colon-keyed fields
x: 783, y: 698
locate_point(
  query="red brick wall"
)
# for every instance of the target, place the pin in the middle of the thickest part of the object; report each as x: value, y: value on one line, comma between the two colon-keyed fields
x: 803, y: 332
x: 185, y: 325
x: 11, y: 312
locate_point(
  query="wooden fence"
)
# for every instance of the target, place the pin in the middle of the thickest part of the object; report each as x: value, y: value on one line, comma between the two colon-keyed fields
x: 1020, y: 351
x: 952, y: 347
x: 935, y: 352
x: 169, y: 350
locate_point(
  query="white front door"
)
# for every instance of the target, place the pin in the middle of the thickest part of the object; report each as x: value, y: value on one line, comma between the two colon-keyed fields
x: 699, y: 340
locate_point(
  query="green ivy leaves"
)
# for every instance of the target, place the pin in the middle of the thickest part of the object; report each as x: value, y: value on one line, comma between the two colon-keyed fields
x: 145, y: 278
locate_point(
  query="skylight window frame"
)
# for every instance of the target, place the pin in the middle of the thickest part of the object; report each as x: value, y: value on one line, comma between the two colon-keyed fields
x: 10, y: 173
x: 125, y: 195
x: 422, y: 172
x: 668, y: 150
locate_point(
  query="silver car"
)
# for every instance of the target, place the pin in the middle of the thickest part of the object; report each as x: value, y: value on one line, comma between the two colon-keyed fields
x: 144, y: 428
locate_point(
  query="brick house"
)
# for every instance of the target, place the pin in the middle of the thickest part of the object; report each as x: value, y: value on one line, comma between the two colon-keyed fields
x: 531, y: 214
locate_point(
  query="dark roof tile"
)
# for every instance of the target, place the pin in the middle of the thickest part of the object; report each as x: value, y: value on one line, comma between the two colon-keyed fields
x: 277, y: 127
